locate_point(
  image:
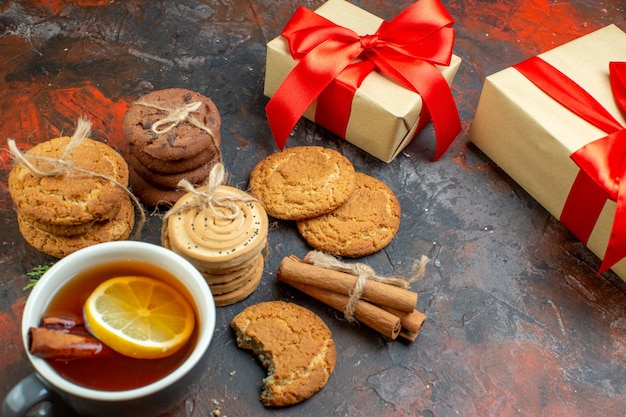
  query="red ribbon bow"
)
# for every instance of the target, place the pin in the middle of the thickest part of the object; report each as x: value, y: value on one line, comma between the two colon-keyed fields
x: 406, y: 50
x: 602, y: 162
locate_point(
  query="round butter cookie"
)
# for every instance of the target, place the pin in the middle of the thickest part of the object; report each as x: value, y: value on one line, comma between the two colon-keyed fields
x: 175, y: 139
x: 74, y: 198
x: 302, y: 182
x: 211, y: 240
x: 295, y: 346
x: 364, y: 224
x: 118, y: 228
x: 230, y: 280
x: 239, y: 293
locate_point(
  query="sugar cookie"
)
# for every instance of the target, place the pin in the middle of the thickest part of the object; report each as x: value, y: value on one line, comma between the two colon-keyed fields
x: 302, y: 182
x: 364, y: 224
x: 295, y: 346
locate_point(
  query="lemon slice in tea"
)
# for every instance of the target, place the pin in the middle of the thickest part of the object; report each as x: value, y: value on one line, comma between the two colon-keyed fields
x: 139, y: 317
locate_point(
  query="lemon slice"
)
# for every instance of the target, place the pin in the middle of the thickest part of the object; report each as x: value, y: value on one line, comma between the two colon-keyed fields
x: 139, y: 317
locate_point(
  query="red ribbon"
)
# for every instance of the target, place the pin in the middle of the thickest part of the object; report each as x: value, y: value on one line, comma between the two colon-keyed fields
x: 602, y: 162
x: 406, y: 50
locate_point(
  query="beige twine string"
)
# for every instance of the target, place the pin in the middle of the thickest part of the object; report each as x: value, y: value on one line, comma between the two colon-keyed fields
x: 178, y: 115
x: 63, y: 165
x: 363, y: 273
x: 208, y: 199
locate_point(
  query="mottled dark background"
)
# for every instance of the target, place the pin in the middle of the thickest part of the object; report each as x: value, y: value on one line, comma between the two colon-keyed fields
x: 518, y: 322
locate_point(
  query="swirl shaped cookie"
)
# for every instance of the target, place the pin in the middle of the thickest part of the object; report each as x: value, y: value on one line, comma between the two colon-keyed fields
x: 219, y: 237
x: 223, y: 235
x: 302, y: 182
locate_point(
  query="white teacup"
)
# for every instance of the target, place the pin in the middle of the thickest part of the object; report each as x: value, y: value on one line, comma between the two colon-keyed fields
x: 54, y: 395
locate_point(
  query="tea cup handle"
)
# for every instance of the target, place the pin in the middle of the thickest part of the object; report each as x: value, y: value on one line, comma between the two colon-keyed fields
x: 30, y: 392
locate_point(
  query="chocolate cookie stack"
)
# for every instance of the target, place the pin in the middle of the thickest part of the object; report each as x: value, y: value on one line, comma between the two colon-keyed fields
x: 172, y: 134
x: 71, y: 193
x: 222, y: 231
x: 337, y: 210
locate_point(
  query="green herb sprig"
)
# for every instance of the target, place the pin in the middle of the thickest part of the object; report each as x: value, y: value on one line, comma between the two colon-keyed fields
x: 34, y: 275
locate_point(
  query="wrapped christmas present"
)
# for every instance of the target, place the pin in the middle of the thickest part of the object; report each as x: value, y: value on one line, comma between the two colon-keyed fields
x: 556, y: 124
x: 375, y: 83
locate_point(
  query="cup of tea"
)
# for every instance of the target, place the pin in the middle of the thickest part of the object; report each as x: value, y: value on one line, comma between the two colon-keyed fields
x: 113, y: 384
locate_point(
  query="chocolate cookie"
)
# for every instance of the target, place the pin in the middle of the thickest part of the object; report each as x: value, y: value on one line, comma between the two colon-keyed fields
x: 172, y: 124
x: 172, y: 134
x: 302, y: 182
x: 150, y: 194
x: 170, y: 181
x: 175, y: 166
x: 295, y: 346
x: 364, y: 224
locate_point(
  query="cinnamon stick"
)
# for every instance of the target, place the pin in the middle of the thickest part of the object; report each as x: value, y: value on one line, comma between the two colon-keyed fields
x: 292, y: 270
x: 410, y: 336
x: 372, y: 316
x: 47, y: 343
x: 61, y: 322
x: 412, y: 322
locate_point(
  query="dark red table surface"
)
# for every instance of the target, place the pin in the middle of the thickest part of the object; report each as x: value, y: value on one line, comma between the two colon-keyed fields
x: 518, y: 322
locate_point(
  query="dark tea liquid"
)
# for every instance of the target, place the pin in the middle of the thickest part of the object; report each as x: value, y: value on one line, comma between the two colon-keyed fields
x: 112, y: 372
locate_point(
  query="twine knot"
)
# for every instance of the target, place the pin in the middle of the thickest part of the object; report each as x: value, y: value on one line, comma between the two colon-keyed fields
x: 174, y: 118
x: 210, y: 199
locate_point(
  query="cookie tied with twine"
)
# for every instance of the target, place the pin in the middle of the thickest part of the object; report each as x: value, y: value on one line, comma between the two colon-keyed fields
x: 222, y: 231
x: 172, y: 134
x: 71, y: 192
x: 386, y: 304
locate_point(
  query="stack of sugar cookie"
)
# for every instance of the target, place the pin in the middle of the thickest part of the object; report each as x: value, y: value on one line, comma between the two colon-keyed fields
x: 337, y: 209
x: 172, y: 134
x: 223, y: 233
x: 71, y: 196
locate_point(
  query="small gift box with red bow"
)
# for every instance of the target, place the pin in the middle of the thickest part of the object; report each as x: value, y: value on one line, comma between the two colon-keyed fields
x: 375, y: 83
x: 556, y: 124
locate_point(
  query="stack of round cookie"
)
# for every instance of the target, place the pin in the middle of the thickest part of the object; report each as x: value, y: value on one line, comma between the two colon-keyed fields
x: 172, y: 134
x: 337, y: 210
x: 223, y: 233
x: 71, y: 196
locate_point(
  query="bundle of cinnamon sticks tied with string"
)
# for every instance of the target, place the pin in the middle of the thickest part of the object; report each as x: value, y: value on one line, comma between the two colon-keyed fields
x: 386, y: 305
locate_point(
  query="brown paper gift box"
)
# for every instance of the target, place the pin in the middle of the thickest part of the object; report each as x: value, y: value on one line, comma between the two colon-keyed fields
x: 531, y: 137
x: 385, y: 115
